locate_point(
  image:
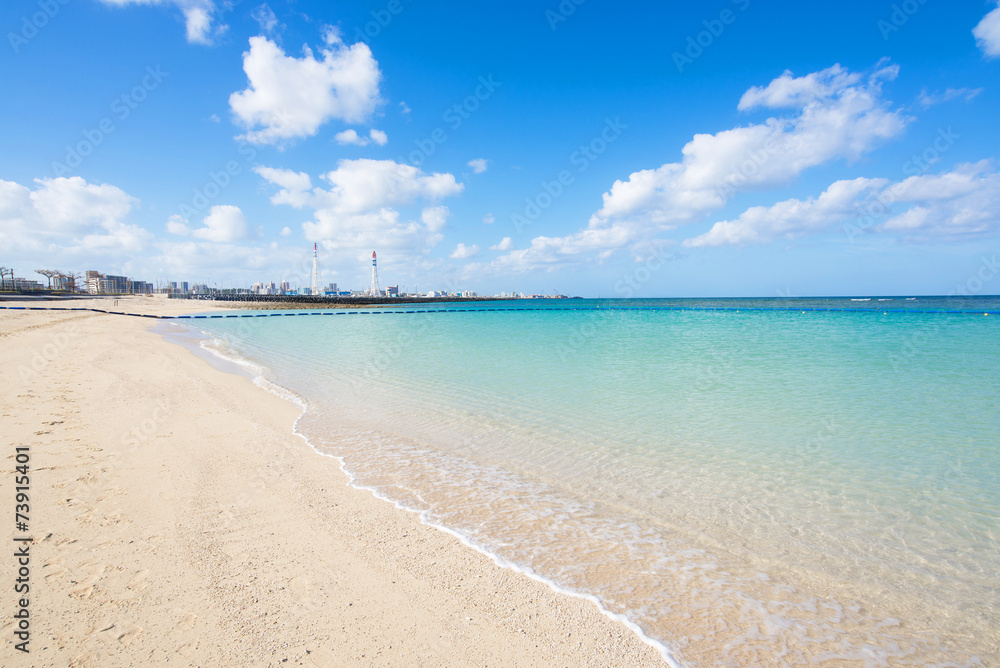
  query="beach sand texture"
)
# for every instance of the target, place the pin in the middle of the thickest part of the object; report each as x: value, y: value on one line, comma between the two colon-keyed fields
x: 179, y: 521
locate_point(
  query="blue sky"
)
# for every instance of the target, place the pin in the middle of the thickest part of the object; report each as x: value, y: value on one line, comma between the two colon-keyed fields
x: 724, y: 148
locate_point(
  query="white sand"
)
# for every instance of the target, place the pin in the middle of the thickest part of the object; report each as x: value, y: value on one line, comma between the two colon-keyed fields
x: 178, y: 521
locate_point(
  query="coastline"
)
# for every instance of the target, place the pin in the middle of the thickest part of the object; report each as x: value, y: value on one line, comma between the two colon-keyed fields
x: 177, y: 517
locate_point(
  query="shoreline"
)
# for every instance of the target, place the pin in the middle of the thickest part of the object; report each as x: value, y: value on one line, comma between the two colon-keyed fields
x: 188, y: 523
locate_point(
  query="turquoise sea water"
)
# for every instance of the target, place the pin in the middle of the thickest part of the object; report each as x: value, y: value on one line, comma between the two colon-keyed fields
x: 764, y: 487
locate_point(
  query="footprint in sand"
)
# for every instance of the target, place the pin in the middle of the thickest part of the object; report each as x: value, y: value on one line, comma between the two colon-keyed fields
x: 138, y: 581
x: 83, y: 592
x: 130, y: 636
x: 53, y: 569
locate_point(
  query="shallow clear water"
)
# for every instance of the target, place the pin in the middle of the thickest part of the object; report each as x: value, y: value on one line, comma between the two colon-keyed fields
x: 749, y: 486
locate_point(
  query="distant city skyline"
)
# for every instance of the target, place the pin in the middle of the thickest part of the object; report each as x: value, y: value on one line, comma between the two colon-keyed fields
x: 855, y: 154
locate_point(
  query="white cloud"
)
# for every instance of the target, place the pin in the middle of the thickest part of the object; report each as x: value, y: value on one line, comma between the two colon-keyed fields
x: 793, y: 217
x: 836, y: 114
x: 223, y: 224
x: 197, y: 16
x: 352, y: 137
x: 285, y: 231
x: 463, y: 252
x: 358, y: 209
x: 68, y: 215
x: 987, y: 33
x: 929, y: 99
x: 265, y: 18
x: 404, y: 108
x: 788, y: 91
x: 841, y: 115
x: 964, y: 202
x: 479, y: 165
x: 295, y: 186
x: 292, y: 97
x: 505, y: 245
x: 961, y: 203
x: 435, y: 217
x: 176, y: 224
x: 489, y: 219
x: 553, y: 252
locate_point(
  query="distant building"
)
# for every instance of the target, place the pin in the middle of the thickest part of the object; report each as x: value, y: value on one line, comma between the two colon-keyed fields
x: 24, y: 284
x: 392, y: 291
x: 93, y: 282
x: 114, y: 285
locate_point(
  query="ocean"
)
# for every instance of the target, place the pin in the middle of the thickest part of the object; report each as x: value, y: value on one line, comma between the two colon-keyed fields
x: 744, y: 481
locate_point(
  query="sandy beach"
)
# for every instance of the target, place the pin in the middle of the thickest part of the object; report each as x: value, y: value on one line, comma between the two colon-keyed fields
x: 177, y: 519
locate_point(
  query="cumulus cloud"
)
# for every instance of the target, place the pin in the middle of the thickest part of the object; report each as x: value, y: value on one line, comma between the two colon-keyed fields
x: 352, y: 137
x: 223, y: 224
x: 463, y: 252
x: 827, y: 115
x: 198, y: 16
x: 358, y: 208
x: 505, y: 245
x: 841, y: 115
x: 479, y: 165
x: 987, y: 33
x: 68, y: 215
x: 291, y: 97
x: 435, y: 217
x: 489, y: 219
x: 552, y: 252
x: 964, y: 202
x: 791, y: 218
x: 177, y: 224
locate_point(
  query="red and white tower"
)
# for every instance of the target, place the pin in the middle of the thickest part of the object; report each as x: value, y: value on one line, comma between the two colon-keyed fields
x: 374, y: 289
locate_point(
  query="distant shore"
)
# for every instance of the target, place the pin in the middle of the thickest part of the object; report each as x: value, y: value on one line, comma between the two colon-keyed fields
x: 176, y: 517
